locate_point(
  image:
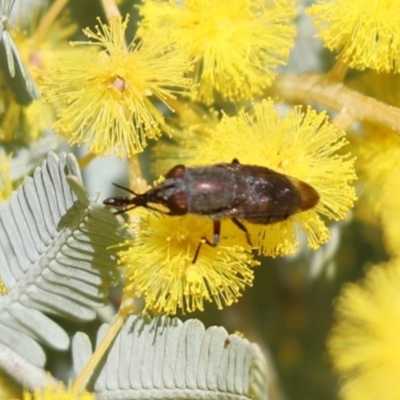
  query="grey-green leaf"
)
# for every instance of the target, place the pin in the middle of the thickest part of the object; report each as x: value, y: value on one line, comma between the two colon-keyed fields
x: 168, y: 359
x: 81, y: 349
x: 57, y: 255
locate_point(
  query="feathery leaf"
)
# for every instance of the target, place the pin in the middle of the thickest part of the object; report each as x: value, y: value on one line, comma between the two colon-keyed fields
x: 170, y: 359
x: 55, y: 257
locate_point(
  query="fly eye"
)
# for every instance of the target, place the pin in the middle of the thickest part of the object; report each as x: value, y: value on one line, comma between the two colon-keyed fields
x: 178, y: 203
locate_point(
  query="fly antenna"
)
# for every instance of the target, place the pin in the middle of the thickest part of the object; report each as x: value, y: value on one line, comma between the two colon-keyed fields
x: 125, y: 188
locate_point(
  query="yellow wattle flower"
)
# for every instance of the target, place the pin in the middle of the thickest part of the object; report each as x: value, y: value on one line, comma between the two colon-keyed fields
x: 105, y: 98
x: 158, y: 263
x: 302, y: 145
x: 364, y: 342
x: 378, y: 159
x: 364, y: 33
x: 23, y: 124
x: 6, y: 187
x: 58, y: 392
x: 189, y: 128
x: 391, y: 211
x: 234, y: 45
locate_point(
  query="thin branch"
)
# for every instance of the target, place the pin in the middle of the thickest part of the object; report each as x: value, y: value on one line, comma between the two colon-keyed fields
x: 111, y: 334
x: 136, y: 181
x: 127, y: 307
x: 86, y: 160
x: 317, y: 88
x: 48, y: 19
x: 343, y: 119
x: 110, y: 8
x: 338, y: 72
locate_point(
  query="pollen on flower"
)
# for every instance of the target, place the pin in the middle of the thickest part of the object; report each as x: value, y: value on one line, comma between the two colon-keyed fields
x: 57, y: 392
x: 189, y: 127
x: 103, y: 97
x: 26, y: 123
x: 302, y: 145
x: 159, y: 263
x: 235, y: 46
x: 6, y: 187
x: 378, y: 159
x: 23, y: 124
x: 364, y: 343
x: 391, y: 211
x: 363, y: 32
x: 3, y: 288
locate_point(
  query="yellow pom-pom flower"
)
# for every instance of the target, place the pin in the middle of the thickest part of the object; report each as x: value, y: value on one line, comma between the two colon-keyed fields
x: 6, y: 190
x: 189, y: 127
x: 24, y: 123
x: 58, y: 392
x: 158, y: 263
x: 302, y: 145
x: 391, y: 211
x: 104, y: 97
x: 235, y: 45
x: 364, y: 342
x: 6, y: 187
x: 378, y: 159
x: 364, y: 33
x: 378, y: 167
x: 9, y: 389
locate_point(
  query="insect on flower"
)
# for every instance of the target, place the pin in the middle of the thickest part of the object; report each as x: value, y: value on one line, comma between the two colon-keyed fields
x: 228, y: 190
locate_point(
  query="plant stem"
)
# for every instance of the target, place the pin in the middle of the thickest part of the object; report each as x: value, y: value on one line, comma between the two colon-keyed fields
x: 110, y: 8
x: 318, y: 88
x: 338, y: 72
x: 127, y: 307
x: 136, y: 181
x: 48, y: 19
x: 86, y: 160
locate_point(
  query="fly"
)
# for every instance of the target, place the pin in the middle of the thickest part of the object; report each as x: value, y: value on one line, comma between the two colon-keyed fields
x: 236, y: 191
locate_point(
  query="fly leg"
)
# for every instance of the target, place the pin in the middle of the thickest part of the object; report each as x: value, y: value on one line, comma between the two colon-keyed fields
x: 243, y: 229
x: 214, y: 243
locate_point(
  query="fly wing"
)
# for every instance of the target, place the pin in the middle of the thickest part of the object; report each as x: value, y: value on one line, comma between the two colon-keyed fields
x: 265, y: 196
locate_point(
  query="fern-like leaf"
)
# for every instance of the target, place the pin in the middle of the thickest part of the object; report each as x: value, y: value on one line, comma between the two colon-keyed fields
x: 55, y: 257
x: 168, y: 359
